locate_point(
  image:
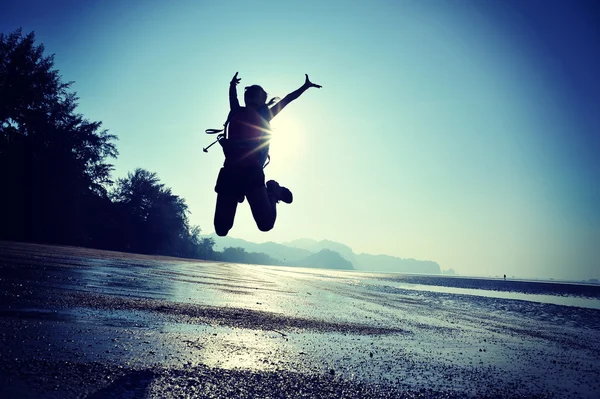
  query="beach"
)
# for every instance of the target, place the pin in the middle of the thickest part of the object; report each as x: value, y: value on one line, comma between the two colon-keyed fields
x: 84, y: 323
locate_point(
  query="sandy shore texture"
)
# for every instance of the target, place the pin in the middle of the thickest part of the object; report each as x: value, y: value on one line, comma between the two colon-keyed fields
x: 81, y: 323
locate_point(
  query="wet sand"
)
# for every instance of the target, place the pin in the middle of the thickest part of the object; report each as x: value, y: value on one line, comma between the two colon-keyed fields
x: 81, y: 323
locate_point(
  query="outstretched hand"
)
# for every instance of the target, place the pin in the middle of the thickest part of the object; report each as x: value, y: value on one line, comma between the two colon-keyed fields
x: 308, y: 83
x: 235, y: 79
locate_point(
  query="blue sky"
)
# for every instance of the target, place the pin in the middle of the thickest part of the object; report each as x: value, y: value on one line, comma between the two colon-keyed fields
x: 464, y: 132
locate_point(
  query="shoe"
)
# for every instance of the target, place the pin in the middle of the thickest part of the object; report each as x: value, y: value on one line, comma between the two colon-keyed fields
x: 280, y: 193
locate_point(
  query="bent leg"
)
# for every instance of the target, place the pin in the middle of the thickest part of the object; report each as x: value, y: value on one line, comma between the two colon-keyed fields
x: 263, y: 207
x: 225, y: 213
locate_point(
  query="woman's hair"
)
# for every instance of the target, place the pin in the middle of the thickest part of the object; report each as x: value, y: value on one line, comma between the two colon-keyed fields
x: 262, y: 94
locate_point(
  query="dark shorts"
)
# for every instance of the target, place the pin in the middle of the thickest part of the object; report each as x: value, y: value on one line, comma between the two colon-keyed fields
x: 237, y: 181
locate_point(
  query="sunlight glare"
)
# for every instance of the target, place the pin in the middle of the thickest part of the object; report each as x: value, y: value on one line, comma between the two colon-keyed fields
x: 287, y: 139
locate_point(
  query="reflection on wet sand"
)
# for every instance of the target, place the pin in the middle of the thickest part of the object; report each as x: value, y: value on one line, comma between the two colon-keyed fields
x: 151, y: 325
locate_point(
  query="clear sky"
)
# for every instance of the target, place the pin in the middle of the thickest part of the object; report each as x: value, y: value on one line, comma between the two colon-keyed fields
x: 464, y: 132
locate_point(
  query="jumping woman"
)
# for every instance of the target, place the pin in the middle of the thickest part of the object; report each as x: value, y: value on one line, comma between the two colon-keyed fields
x: 246, y: 148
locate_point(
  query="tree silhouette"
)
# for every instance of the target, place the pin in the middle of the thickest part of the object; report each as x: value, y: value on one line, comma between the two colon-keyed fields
x: 56, y: 184
x: 202, y: 248
x: 239, y: 255
x: 155, y: 219
x: 53, y: 166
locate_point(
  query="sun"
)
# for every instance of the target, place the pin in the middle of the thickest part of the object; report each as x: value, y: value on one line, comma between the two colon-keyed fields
x: 287, y: 138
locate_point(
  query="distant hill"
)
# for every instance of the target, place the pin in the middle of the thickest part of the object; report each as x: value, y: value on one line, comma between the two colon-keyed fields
x: 300, y: 252
x: 282, y: 252
x: 316, y: 246
x: 392, y: 264
x: 367, y: 262
x: 325, y: 259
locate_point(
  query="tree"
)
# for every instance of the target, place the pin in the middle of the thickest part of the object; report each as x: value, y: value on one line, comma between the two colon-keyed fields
x: 202, y: 248
x: 154, y: 220
x: 56, y: 182
x: 53, y: 166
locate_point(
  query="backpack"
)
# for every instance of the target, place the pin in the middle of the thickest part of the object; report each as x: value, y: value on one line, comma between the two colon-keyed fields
x: 244, y: 138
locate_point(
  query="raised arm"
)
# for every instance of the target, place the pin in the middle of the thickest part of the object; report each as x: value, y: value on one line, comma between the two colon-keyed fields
x: 292, y: 96
x: 233, y: 100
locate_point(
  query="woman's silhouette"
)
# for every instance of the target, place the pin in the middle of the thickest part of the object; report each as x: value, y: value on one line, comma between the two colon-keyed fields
x: 246, y: 150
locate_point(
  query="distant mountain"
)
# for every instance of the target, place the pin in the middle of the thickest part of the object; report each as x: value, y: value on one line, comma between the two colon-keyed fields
x: 306, y: 243
x: 301, y: 251
x: 283, y: 253
x: 367, y: 262
x: 325, y: 259
x: 316, y: 246
x: 392, y: 264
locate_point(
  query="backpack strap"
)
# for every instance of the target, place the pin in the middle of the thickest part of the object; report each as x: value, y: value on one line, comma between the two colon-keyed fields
x: 222, y: 133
